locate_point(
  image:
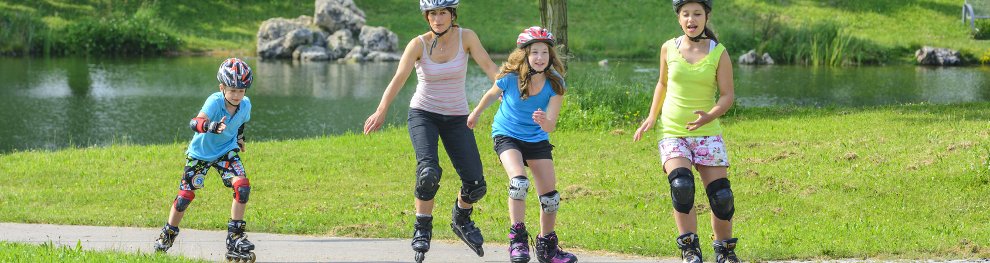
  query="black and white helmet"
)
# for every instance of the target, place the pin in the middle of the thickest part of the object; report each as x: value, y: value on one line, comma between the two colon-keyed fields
x: 427, y: 5
x: 679, y: 3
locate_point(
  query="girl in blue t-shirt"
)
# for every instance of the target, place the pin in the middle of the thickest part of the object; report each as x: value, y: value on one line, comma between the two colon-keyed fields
x: 531, y: 87
x: 219, y: 137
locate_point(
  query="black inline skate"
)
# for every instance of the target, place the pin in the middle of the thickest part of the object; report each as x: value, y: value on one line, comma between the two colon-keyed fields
x: 422, y: 235
x: 238, y: 247
x: 548, y: 251
x: 166, y: 238
x: 464, y: 228
x: 725, y: 250
x: 690, y: 248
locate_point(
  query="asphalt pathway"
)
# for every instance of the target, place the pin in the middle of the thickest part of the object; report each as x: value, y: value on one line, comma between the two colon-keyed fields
x: 209, y: 245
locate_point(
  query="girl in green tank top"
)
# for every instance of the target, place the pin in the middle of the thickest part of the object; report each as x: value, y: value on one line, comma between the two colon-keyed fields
x: 695, y: 88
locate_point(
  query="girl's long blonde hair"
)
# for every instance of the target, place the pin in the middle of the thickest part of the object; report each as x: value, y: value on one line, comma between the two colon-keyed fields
x: 518, y: 63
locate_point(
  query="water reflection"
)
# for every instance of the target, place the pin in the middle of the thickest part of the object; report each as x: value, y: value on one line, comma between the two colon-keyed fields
x: 55, y: 103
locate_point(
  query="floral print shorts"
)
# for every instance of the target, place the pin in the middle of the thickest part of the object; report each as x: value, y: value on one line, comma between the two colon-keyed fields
x: 703, y: 150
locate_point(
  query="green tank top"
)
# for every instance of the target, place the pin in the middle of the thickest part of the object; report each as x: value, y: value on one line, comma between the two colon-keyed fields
x: 690, y: 87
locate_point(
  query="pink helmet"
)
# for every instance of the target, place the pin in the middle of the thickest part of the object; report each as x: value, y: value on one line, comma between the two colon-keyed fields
x: 532, y: 35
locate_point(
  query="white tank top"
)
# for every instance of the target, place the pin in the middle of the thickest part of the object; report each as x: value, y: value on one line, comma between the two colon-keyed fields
x: 440, y: 87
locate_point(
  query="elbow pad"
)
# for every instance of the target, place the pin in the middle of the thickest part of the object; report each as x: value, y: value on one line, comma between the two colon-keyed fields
x: 201, y: 125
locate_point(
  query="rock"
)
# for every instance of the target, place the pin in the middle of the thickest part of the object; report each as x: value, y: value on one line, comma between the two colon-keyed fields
x: 272, y: 35
x: 748, y: 59
x: 379, y: 56
x: 766, y: 59
x: 340, y: 43
x: 933, y: 56
x: 310, y: 53
x: 603, y: 62
x: 378, y: 39
x: 333, y: 15
x: 356, y: 55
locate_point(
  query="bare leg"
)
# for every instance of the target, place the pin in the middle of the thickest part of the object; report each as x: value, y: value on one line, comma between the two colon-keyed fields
x: 546, y: 181
x: 722, y: 228
x: 513, y: 164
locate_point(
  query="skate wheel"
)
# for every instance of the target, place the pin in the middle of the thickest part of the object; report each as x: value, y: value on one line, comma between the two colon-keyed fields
x: 420, y: 256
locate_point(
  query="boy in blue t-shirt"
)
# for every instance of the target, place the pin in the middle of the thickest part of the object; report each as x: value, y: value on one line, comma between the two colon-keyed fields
x: 219, y: 137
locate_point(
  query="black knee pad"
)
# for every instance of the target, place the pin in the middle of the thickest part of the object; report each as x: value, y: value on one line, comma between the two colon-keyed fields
x: 427, y: 183
x: 682, y: 189
x: 720, y: 198
x: 472, y: 192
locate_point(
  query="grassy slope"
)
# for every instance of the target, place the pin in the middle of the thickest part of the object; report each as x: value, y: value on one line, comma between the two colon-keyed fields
x: 888, y: 182
x: 632, y: 28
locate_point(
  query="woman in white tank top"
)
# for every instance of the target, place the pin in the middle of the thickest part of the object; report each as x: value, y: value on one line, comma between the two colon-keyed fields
x: 439, y: 110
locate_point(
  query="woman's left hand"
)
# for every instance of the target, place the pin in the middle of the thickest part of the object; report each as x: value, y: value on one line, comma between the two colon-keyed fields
x: 703, y: 118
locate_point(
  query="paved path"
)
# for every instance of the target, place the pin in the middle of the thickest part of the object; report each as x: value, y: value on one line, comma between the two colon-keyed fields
x: 209, y: 245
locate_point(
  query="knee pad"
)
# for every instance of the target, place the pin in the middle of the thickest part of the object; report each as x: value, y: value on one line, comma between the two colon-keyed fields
x: 427, y: 183
x: 473, y: 192
x: 183, y: 199
x: 720, y: 198
x: 550, y: 201
x: 518, y: 186
x: 242, y: 189
x: 682, y: 189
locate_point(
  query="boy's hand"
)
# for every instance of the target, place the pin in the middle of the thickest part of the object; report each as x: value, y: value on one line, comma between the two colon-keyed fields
x: 221, y: 125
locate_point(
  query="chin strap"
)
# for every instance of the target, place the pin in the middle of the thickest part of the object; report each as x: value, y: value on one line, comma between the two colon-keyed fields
x: 534, y: 72
x: 435, y: 39
x: 703, y: 35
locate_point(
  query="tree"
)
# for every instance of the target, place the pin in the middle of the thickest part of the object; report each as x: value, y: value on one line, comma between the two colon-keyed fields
x: 553, y: 16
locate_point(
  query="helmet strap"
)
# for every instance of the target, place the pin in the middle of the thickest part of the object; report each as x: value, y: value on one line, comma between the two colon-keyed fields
x: 534, y: 72
x: 437, y: 37
x: 224, y: 94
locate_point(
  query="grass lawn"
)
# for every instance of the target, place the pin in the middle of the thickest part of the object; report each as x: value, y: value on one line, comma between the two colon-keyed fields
x: 878, y: 182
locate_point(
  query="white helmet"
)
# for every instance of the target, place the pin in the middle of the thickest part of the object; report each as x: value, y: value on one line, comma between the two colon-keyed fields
x: 427, y: 5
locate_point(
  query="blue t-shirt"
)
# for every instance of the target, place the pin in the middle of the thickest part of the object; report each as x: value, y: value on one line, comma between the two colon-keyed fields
x: 210, y: 146
x: 515, y: 115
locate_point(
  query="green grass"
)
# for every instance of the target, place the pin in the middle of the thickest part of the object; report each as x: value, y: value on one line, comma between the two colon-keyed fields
x: 15, y: 252
x: 877, y: 182
x: 878, y: 31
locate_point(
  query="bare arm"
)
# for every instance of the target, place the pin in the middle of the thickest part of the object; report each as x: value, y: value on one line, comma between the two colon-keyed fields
x: 490, y: 96
x: 412, y: 54
x: 548, y: 119
x: 473, y: 45
x: 726, y: 93
x: 659, y: 94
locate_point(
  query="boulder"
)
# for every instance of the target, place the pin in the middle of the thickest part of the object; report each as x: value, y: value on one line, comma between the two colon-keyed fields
x: 333, y: 15
x: 933, y: 56
x: 310, y: 53
x: 340, y: 43
x: 378, y: 39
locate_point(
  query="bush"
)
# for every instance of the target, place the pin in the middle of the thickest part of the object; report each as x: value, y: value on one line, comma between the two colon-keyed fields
x: 138, y: 34
x: 20, y: 32
x: 982, y: 30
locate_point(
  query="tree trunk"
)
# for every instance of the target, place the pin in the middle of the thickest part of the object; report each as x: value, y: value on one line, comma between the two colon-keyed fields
x: 553, y: 16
